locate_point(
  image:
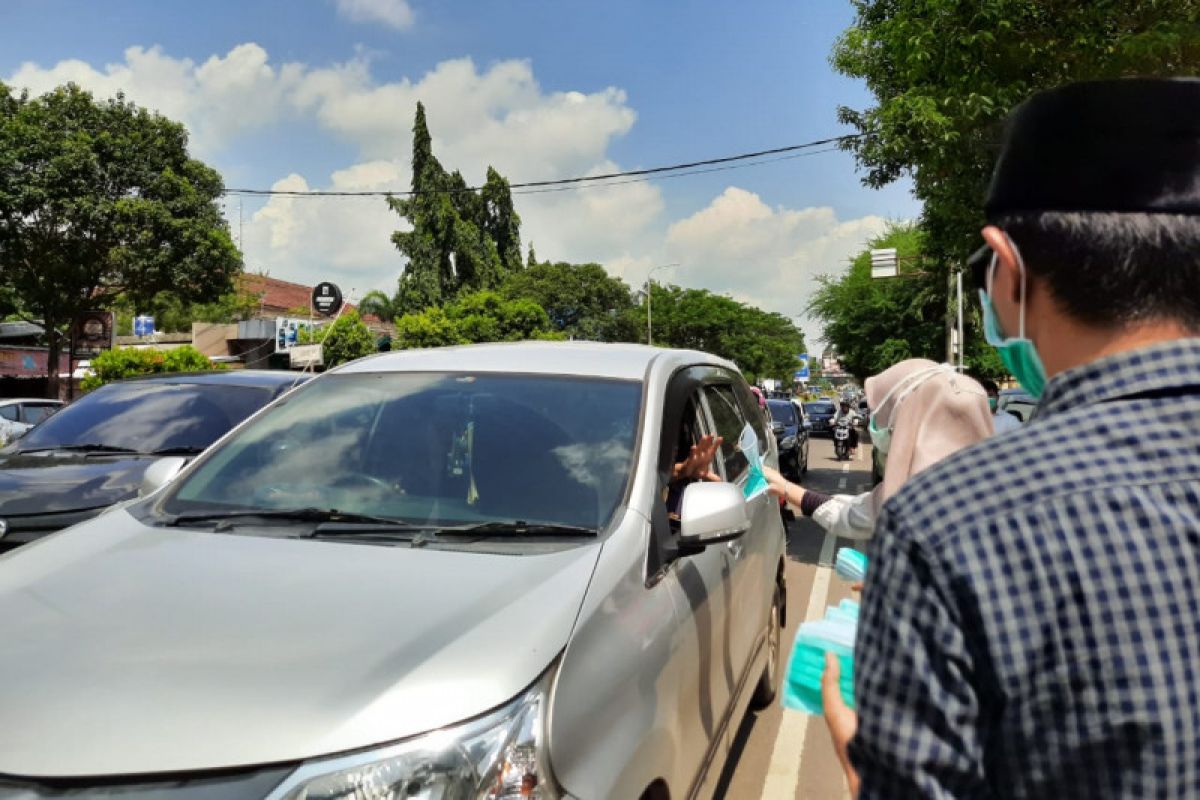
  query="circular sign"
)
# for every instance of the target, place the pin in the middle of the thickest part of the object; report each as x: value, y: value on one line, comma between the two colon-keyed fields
x: 326, y: 299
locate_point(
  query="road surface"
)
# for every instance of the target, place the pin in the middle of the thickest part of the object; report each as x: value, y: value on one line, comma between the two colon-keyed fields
x: 780, y: 755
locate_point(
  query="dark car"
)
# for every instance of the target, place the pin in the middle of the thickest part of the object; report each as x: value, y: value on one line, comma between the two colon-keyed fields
x: 791, y: 436
x: 820, y: 413
x: 94, y: 452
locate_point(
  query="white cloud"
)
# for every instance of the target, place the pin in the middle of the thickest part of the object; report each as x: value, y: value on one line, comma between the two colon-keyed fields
x: 767, y: 256
x: 393, y: 13
x: 218, y: 99
x: 497, y: 116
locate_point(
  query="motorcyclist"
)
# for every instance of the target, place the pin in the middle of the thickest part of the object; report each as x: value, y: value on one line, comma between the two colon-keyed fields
x: 845, y: 412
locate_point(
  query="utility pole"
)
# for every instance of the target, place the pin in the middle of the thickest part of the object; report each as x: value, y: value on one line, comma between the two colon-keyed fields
x: 649, y: 318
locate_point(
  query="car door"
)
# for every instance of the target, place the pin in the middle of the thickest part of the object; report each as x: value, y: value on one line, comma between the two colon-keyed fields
x: 701, y: 587
x: 751, y: 595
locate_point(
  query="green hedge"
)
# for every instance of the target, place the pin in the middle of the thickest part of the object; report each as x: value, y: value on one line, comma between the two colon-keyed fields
x: 128, y: 362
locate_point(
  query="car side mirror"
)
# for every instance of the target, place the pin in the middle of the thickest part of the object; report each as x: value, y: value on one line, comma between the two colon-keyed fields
x: 712, y: 513
x: 160, y: 473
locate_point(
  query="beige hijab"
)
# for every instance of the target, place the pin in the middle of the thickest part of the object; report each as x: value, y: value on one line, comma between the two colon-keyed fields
x: 944, y: 413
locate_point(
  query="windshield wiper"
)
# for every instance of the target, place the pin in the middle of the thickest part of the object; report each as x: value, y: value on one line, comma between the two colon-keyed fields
x: 325, y: 517
x: 84, y: 448
x: 185, y: 450
x: 519, y: 529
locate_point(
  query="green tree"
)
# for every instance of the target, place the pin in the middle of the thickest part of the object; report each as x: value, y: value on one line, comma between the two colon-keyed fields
x: 946, y: 73
x: 582, y: 300
x: 345, y: 339
x: 459, y: 241
x: 128, y: 362
x: 875, y: 322
x: 762, y: 344
x: 489, y: 317
x: 100, y: 200
x: 428, y: 328
x: 377, y: 303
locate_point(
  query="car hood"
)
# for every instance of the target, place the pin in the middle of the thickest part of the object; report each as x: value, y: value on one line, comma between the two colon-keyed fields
x: 48, y: 483
x: 130, y: 649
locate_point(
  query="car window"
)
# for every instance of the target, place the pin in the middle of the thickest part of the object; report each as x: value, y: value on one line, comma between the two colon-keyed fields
x: 727, y: 417
x: 148, y: 416
x: 819, y: 408
x: 10, y: 412
x: 438, y: 449
x: 753, y: 412
x: 782, y: 411
x: 36, y: 412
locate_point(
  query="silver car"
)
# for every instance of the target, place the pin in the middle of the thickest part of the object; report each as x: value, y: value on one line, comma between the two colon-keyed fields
x: 457, y: 573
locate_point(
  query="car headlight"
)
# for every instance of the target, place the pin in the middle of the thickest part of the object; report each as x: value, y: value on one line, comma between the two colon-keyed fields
x: 500, y: 755
x: 787, y: 443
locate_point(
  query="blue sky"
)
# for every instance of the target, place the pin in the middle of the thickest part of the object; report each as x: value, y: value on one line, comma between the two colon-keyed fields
x: 319, y: 93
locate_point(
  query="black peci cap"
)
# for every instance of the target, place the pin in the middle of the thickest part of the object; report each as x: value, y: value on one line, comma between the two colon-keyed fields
x: 1130, y: 145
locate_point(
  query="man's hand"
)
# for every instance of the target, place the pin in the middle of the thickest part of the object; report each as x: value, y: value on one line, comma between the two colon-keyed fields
x: 839, y: 718
x: 698, y: 465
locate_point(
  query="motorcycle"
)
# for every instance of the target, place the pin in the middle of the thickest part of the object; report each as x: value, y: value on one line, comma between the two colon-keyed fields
x: 841, y: 440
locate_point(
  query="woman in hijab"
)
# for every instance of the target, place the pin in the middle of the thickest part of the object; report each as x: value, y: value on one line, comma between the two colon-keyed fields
x: 923, y: 412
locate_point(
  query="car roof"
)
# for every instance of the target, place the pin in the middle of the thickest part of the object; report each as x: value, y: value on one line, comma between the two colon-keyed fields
x: 584, y: 359
x: 263, y: 378
x: 8, y: 401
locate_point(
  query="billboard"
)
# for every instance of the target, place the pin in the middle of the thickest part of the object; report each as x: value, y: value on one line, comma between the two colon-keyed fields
x: 801, y: 374
x: 287, y: 331
x: 92, y: 333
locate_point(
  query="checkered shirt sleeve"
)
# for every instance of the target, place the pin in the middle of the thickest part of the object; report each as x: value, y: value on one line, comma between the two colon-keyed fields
x: 917, y: 708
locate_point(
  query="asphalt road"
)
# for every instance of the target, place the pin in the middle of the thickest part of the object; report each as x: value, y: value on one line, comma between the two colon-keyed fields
x: 786, y: 754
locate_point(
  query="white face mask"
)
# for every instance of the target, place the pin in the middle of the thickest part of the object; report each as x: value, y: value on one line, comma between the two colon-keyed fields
x: 882, y: 439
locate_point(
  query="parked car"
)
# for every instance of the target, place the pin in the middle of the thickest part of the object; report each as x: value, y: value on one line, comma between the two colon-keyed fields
x: 17, y: 415
x: 791, y: 438
x: 448, y: 572
x: 821, y: 414
x: 93, y: 453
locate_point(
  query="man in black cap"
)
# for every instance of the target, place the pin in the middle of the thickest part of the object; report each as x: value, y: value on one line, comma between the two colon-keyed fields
x: 1031, y: 619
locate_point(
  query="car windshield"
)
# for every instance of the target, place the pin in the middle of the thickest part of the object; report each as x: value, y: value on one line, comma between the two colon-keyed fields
x: 819, y: 408
x: 431, y: 449
x: 147, y: 417
x: 782, y: 411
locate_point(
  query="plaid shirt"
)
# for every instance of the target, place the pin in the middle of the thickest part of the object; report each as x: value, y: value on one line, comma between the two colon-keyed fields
x: 1031, y: 621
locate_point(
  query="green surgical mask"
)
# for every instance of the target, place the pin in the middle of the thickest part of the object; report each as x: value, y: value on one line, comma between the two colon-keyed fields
x: 992, y: 403
x: 1017, y: 352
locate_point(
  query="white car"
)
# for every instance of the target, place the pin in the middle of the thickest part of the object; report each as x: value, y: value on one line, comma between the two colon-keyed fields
x: 19, y: 414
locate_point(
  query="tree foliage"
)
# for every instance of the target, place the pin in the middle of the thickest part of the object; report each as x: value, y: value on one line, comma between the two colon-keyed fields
x: 762, y: 344
x: 128, y: 362
x: 100, y: 200
x: 946, y: 73
x: 345, y: 339
x: 459, y: 241
x: 377, y: 303
x: 474, y: 318
x: 874, y: 322
x: 582, y: 300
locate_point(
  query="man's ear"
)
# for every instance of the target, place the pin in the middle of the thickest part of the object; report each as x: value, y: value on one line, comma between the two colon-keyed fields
x: 1006, y: 280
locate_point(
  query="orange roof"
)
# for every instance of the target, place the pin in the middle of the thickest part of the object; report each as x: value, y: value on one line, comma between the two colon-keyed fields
x: 276, y: 296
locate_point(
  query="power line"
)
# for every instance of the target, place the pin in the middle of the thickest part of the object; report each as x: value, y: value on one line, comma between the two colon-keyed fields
x: 608, y: 179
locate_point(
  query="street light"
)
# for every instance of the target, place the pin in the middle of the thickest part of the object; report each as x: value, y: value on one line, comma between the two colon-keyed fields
x: 885, y: 263
x: 649, y: 319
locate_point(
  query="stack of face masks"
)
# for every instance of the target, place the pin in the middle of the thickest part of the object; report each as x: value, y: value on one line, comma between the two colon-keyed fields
x: 851, y: 565
x: 834, y: 634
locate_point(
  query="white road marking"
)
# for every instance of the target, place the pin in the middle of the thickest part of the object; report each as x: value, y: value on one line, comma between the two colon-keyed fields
x: 844, y: 478
x: 783, y: 773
